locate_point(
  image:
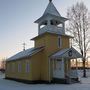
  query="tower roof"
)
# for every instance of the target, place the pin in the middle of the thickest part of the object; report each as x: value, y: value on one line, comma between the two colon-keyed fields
x: 51, y: 9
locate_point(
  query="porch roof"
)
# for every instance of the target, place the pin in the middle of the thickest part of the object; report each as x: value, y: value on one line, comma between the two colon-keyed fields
x: 67, y: 53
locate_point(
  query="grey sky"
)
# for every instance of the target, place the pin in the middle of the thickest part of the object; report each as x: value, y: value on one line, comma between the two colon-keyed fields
x: 16, y: 21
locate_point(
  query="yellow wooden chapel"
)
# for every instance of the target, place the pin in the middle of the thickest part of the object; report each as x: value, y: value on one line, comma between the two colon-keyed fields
x: 49, y: 59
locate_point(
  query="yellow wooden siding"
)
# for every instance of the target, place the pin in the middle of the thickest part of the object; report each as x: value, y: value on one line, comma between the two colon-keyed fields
x: 65, y: 42
x: 51, y: 44
x: 50, y: 41
x: 40, y: 66
x: 36, y: 65
x: 40, y: 42
x: 18, y: 75
x: 39, y: 63
x: 45, y: 69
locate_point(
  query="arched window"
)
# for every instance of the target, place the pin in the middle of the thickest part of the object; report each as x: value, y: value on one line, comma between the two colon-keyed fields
x: 60, y: 25
x: 59, y: 41
x: 43, y: 24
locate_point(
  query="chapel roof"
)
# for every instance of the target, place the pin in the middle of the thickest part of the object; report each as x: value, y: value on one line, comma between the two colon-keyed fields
x: 51, y: 11
x: 25, y: 53
x: 53, y: 33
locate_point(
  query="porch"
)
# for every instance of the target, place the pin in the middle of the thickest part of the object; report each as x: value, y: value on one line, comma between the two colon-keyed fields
x: 62, y: 67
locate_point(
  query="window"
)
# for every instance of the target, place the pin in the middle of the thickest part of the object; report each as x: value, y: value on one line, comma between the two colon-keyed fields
x: 51, y: 22
x: 59, y: 42
x: 19, y: 67
x: 27, y: 67
x: 60, y: 25
x: 42, y: 26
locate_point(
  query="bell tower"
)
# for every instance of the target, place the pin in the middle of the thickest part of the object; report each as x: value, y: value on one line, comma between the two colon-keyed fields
x: 51, y: 21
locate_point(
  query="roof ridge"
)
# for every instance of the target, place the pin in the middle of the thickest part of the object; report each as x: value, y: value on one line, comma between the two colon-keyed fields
x: 26, y: 53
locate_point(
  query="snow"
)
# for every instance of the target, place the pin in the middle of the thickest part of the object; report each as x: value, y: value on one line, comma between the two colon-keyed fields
x: 26, y: 53
x: 51, y: 9
x: 13, y: 85
x: 85, y: 80
x: 64, y: 53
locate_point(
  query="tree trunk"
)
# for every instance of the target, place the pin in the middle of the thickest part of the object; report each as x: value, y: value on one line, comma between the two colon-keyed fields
x: 84, y: 70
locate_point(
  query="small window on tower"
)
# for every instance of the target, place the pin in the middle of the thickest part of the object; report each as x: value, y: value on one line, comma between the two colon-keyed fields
x: 51, y: 22
x: 60, y: 25
x: 59, y: 42
x: 42, y: 26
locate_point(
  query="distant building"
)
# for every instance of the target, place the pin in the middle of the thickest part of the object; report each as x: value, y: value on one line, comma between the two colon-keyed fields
x: 79, y: 63
x: 49, y: 60
x: 3, y: 63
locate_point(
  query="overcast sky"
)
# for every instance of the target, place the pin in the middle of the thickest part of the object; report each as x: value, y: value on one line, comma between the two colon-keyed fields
x: 16, y: 22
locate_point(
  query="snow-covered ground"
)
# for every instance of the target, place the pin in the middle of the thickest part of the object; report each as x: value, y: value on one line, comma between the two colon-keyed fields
x: 13, y: 85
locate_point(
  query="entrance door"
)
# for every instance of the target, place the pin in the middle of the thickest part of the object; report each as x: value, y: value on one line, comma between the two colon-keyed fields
x: 58, y: 71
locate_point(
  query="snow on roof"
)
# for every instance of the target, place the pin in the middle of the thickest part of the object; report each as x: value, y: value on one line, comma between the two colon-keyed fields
x: 51, y: 9
x: 67, y: 53
x: 52, y: 33
x: 26, y: 53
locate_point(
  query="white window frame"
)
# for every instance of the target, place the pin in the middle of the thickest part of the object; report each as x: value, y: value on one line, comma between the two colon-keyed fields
x: 59, y: 42
x: 27, y: 67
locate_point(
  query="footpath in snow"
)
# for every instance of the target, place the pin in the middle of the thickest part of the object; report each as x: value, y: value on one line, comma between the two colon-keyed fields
x: 85, y: 80
x: 13, y: 85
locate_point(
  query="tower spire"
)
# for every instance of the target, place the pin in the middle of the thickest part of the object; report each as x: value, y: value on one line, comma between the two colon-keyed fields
x: 50, y: 0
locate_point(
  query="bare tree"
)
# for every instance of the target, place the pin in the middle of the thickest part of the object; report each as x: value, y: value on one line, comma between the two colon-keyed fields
x: 2, y: 64
x: 79, y: 26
